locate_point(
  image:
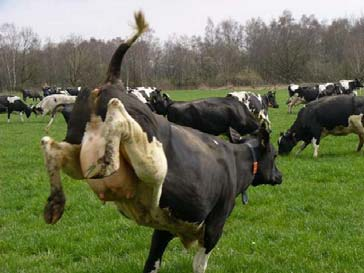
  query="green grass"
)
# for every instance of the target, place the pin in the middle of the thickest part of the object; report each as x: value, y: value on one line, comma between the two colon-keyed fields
x: 313, y: 222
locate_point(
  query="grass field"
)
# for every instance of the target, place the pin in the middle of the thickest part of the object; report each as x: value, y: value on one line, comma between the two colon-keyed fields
x: 312, y: 222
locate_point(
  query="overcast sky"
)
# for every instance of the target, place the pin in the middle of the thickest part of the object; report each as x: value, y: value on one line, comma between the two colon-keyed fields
x: 107, y: 19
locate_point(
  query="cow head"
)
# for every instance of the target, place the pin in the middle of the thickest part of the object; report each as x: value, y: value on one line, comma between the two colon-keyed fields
x: 160, y: 102
x: 286, y: 142
x: 267, y: 171
x: 28, y: 111
x: 272, y: 102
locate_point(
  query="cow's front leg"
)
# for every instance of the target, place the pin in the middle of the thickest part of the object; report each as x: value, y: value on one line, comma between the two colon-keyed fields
x: 316, y: 145
x: 59, y: 156
x: 303, y: 146
x: 160, y: 240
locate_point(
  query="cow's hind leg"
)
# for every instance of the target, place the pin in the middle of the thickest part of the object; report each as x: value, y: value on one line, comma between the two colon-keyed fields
x: 58, y: 156
x: 160, y: 240
x: 214, y: 225
x: 356, y: 121
x: 146, y: 158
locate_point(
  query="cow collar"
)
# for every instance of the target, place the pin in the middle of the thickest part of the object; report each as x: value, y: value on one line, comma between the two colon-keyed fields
x: 255, y: 161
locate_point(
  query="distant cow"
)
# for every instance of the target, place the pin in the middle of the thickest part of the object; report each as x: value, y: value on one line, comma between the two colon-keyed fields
x: 14, y: 104
x: 73, y: 91
x: 305, y: 94
x: 64, y: 109
x: 338, y: 115
x: 144, y: 94
x: 211, y: 115
x: 256, y: 105
x: 350, y: 86
x: 50, y: 103
x: 34, y: 95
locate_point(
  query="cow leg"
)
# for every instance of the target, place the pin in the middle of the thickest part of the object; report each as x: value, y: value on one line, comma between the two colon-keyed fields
x: 9, y: 112
x: 356, y: 122
x: 21, y: 116
x: 214, y: 225
x: 120, y: 129
x: 58, y: 156
x: 303, y: 146
x: 46, y: 129
x: 316, y: 145
x: 160, y: 240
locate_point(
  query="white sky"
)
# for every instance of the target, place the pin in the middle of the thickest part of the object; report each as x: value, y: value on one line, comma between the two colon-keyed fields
x: 107, y: 19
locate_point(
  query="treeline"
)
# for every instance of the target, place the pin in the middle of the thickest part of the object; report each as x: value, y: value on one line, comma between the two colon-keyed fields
x: 229, y: 53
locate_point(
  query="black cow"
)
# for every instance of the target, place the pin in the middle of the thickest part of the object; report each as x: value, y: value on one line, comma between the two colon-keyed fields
x: 338, y: 115
x: 144, y: 94
x: 34, y: 95
x: 211, y: 115
x: 175, y: 179
x: 15, y: 104
x: 270, y: 99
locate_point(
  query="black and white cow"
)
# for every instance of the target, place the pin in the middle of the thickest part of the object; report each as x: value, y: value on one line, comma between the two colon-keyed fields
x: 144, y: 94
x: 338, y: 115
x: 305, y: 94
x: 15, y: 104
x: 34, y: 95
x: 211, y: 115
x: 350, y: 86
x: 177, y: 180
x: 256, y: 105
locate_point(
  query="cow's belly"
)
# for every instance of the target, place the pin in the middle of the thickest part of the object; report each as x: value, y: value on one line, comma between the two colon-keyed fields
x: 355, y: 125
x: 132, y: 198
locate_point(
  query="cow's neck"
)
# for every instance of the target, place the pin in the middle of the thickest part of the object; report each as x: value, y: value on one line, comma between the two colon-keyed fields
x: 246, y: 169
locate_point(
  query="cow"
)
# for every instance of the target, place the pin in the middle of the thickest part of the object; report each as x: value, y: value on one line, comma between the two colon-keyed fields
x: 34, y: 95
x: 270, y: 99
x: 211, y: 115
x: 305, y: 94
x: 256, y: 105
x: 15, y: 104
x: 337, y: 115
x: 350, y: 86
x: 48, y: 105
x: 144, y: 94
x: 73, y: 91
x: 177, y: 180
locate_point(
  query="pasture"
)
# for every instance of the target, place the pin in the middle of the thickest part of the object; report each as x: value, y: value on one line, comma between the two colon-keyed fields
x: 312, y: 222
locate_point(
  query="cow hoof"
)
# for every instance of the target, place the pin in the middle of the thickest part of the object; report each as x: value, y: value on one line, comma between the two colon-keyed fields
x: 54, y: 208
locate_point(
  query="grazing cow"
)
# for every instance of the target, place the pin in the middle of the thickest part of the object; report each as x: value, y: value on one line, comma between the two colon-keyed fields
x: 255, y: 104
x: 15, y: 104
x: 177, y: 180
x: 338, y: 115
x: 48, y: 105
x: 34, y: 95
x: 211, y: 115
